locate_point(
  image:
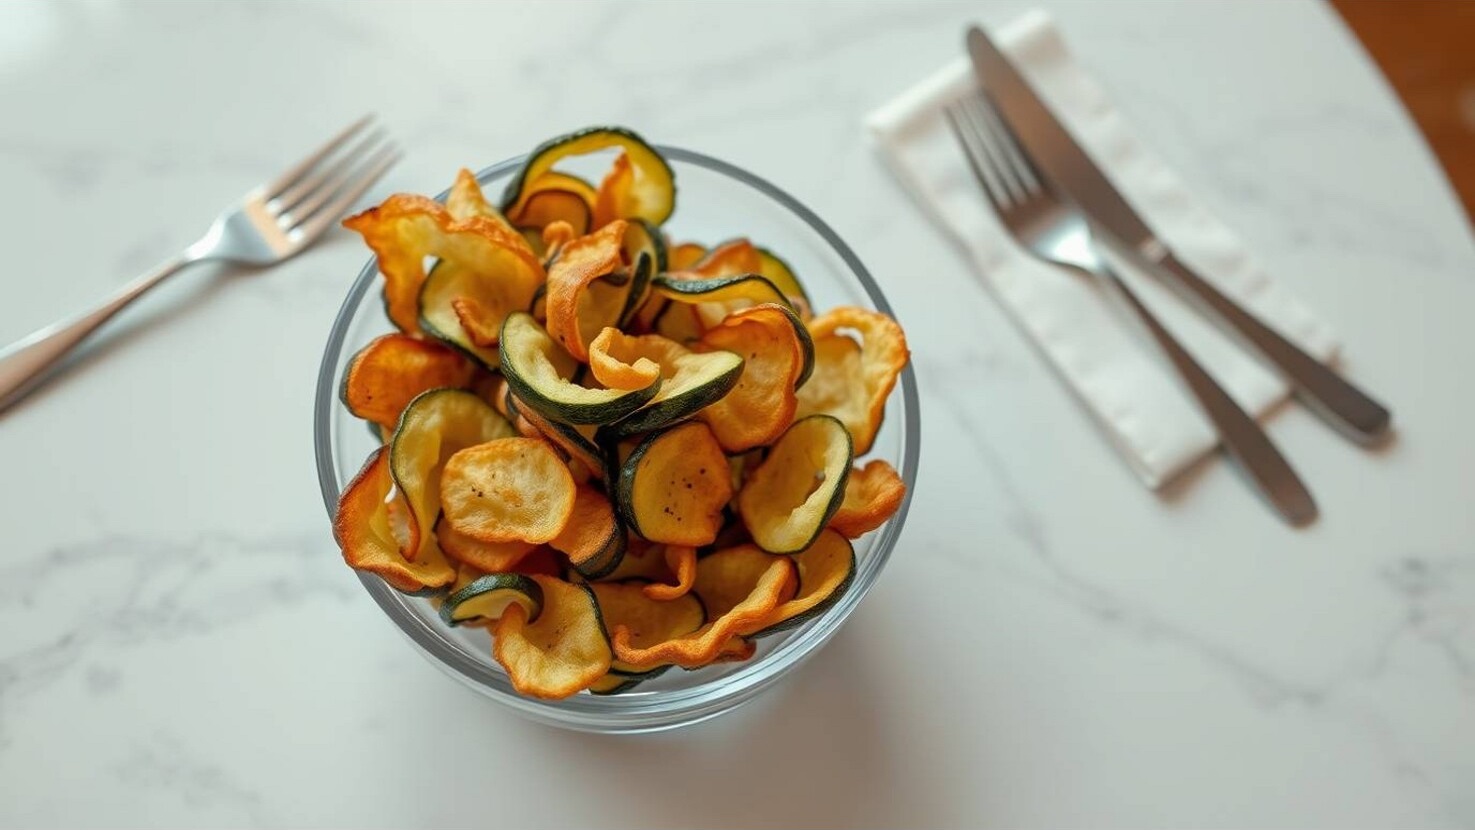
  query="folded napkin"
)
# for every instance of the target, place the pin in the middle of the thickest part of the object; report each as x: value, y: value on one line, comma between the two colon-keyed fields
x: 1090, y: 339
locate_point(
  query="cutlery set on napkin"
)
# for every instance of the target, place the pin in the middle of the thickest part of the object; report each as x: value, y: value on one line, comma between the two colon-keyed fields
x: 1018, y: 154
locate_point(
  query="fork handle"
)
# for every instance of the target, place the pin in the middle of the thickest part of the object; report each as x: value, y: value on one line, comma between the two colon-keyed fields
x: 24, y: 364
x: 1243, y: 437
x: 1337, y: 400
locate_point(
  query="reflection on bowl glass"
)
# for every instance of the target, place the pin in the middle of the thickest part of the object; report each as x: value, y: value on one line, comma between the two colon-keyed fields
x: 715, y: 201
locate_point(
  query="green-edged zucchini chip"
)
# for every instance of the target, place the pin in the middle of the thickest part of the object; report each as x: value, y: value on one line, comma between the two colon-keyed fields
x: 561, y: 651
x: 435, y: 426
x: 538, y: 370
x: 363, y: 529
x: 487, y: 597
x: 674, y: 485
x: 650, y: 194
x: 792, y: 495
x: 648, y: 621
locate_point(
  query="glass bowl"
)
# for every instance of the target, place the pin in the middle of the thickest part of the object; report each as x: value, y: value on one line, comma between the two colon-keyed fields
x: 715, y: 201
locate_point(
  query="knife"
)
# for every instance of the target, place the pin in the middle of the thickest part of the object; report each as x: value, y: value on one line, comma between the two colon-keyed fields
x: 1062, y: 160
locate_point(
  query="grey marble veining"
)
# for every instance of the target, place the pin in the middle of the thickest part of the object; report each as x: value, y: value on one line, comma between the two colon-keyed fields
x: 1050, y: 646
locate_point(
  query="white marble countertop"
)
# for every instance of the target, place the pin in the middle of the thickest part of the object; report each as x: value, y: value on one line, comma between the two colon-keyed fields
x: 180, y: 644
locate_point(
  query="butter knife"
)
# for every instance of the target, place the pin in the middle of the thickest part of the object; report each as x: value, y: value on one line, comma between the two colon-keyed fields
x: 1070, y: 169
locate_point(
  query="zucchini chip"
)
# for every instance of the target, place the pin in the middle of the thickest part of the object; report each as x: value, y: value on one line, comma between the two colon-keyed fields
x: 363, y: 531
x: 435, y: 426
x: 507, y: 490
x: 689, y: 381
x: 643, y: 561
x: 614, y: 684
x: 617, y: 364
x: 393, y: 370
x: 853, y: 384
x: 580, y: 262
x: 466, y: 200
x: 490, y: 557
x: 650, y: 196
x: 778, y: 272
x: 872, y: 495
x: 826, y: 569
x: 674, y: 485
x: 774, y: 346
x: 647, y: 621
x: 556, y: 197
x: 611, y: 201
x: 593, y: 539
x: 405, y: 230
x: 792, y: 495
x: 721, y: 575
x: 682, y: 257
x: 577, y: 442
x: 487, y: 597
x: 715, y: 297
x: 681, y: 562
x: 537, y: 369
x: 560, y: 651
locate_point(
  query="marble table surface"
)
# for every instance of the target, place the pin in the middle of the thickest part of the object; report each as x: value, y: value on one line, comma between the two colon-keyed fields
x: 181, y: 646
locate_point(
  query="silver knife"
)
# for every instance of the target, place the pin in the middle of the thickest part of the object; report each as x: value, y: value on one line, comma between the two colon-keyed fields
x: 1055, y: 152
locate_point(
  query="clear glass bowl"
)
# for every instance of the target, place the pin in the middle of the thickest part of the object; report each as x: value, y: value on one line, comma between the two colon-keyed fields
x: 715, y: 201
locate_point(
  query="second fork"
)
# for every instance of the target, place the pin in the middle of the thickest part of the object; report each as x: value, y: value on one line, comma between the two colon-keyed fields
x: 1057, y: 231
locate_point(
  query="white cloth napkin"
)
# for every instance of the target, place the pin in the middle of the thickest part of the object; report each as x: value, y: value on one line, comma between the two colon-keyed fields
x: 1088, y: 337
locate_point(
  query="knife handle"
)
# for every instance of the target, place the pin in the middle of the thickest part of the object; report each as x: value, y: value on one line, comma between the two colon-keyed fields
x: 1243, y: 438
x: 1335, y: 399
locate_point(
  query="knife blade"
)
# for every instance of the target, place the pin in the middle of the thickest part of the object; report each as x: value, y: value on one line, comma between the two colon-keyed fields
x: 1070, y: 169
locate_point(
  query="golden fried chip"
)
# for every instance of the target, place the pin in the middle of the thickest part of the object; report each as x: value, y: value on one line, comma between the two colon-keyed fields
x: 507, y: 490
x: 872, y: 494
x: 561, y: 651
x: 854, y: 387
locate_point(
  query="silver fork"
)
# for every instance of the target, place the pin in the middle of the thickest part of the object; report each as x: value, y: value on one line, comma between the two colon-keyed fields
x: 271, y: 223
x: 1055, y: 230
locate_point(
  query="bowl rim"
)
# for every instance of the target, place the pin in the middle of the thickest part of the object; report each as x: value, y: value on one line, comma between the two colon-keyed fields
x: 613, y: 714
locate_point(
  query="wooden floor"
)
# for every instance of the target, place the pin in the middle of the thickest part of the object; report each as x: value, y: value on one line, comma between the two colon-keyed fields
x: 1427, y: 50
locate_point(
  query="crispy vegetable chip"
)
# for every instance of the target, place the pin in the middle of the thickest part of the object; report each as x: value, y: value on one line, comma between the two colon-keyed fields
x: 466, y: 200
x: 490, y: 557
x: 612, y: 201
x: 485, y: 598
x: 682, y: 257
x: 793, y: 494
x: 674, y: 486
x: 825, y: 570
x: 362, y: 528
x: 591, y: 530
x: 854, y: 387
x: 704, y: 645
x: 872, y: 494
x: 507, y: 490
x: 617, y: 364
x: 393, y: 369
x: 681, y: 561
x: 647, y: 621
x: 561, y: 651
x: 406, y: 229
x: 580, y: 262
x: 771, y: 341
x: 434, y: 426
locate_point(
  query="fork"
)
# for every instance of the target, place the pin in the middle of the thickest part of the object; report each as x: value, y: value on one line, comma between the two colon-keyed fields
x: 1055, y: 230
x: 271, y: 224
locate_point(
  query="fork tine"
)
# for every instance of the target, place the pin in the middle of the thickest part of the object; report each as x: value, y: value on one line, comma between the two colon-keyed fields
x: 980, y: 157
x: 282, y: 182
x: 305, y: 197
x: 363, y: 177
x: 1019, y: 162
x: 976, y: 108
